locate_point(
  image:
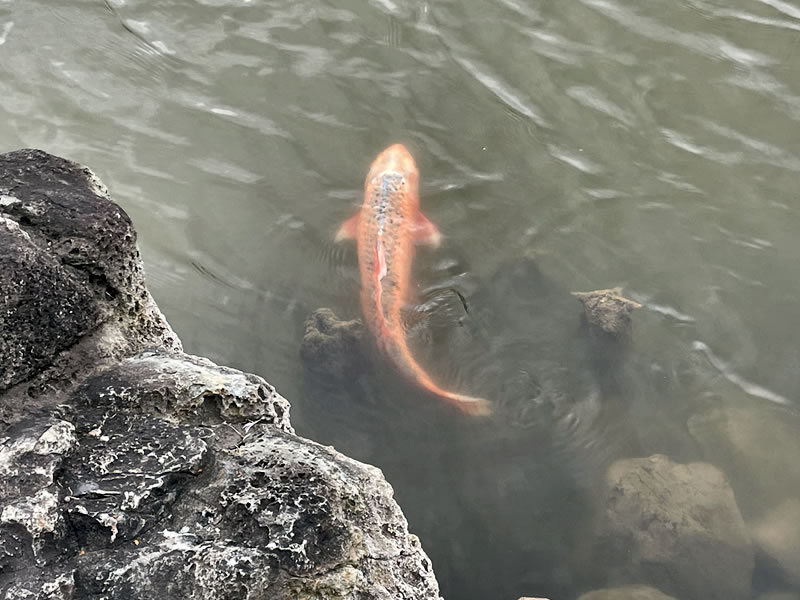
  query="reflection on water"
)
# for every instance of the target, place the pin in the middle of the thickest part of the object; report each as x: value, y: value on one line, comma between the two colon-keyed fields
x: 563, y: 146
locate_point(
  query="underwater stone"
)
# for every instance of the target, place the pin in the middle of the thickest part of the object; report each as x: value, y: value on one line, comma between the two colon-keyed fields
x: 741, y: 440
x: 673, y: 526
x: 626, y: 592
x: 608, y: 311
x: 777, y: 540
x: 332, y: 346
x: 779, y: 595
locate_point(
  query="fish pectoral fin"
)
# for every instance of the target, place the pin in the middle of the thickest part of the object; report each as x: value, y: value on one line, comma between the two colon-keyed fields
x: 425, y: 232
x: 349, y: 229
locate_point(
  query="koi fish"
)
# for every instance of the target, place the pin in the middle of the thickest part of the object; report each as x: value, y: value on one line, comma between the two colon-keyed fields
x: 386, y: 230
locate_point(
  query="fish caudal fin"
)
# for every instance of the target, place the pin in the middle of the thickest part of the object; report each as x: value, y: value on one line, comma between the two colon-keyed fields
x: 477, y: 407
x: 397, y: 349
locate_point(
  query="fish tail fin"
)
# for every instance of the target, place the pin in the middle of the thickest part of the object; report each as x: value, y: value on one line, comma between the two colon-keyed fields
x: 471, y: 405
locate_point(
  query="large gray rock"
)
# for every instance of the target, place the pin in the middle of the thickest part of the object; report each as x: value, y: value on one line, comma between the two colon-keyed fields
x: 675, y: 527
x: 131, y: 470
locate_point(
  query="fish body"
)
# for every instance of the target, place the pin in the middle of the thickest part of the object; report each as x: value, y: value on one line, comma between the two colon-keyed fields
x: 387, y: 229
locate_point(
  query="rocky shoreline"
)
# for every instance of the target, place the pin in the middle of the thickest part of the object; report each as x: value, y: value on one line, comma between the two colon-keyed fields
x: 132, y: 470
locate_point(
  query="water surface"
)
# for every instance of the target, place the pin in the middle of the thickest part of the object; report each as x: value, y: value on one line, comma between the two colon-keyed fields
x: 563, y: 146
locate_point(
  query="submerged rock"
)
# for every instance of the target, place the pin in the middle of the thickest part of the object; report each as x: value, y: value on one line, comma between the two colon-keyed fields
x: 777, y: 540
x: 332, y: 346
x: 757, y: 447
x: 626, y: 592
x: 675, y: 527
x: 608, y: 310
x: 779, y: 596
x: 131, y: 470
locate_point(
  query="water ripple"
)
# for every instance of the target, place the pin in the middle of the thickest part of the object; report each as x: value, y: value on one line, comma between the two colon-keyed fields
x: 746, y: 16
x: 593, y: 98
x: 556, y: 47
x: 468, y: 174
x: 764, y: 83
x: 226, y: 170
x: 678, y: 182
x: 144, y: 31
x: 750, y: 150
x: 761, y: 151
x: 786, y: 8
x: 505, y: 93
x: 708, y: 44
x: 325, y: 118
x: 728, y: 373
x: 523, y: 10
x: 662, y: 309
x: 4, y: 31
x: 259, y: 123
x: 685, y: 142
x: 575, y: 160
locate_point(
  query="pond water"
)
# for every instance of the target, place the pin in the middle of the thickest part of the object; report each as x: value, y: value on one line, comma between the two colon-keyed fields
x: 563, y: 146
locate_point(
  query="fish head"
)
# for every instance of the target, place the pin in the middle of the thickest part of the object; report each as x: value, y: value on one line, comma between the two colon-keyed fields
x: 396, y: 159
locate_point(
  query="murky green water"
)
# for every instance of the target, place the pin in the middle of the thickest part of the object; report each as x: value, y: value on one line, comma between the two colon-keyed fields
x: 563, y: 146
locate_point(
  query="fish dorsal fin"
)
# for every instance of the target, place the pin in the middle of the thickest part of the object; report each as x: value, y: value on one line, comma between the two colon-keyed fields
x: 425, y: 232
x: 380, y: 260
x: 349, y: 229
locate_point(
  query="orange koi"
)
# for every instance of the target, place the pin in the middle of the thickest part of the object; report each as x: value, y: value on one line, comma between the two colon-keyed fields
x: 386, y: 229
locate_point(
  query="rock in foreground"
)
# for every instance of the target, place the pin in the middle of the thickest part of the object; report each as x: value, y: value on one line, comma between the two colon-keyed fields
x: 132, y: 470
